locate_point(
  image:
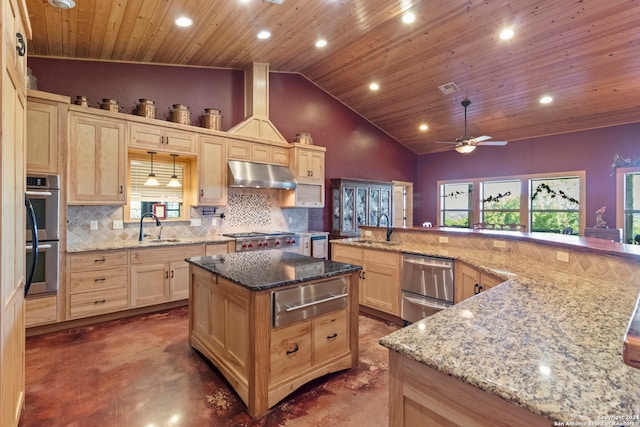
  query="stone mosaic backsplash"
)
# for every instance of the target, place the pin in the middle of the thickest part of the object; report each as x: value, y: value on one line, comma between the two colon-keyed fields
x: 246, y: 210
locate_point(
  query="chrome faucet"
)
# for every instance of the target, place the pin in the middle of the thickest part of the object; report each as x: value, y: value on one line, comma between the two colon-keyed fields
x: 144, y: 215
x: 389, y: 229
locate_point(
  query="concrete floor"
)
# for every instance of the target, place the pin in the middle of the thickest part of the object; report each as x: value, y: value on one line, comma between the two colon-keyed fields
x: 141, y: 371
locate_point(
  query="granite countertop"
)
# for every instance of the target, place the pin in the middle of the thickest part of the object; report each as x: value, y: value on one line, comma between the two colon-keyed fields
x: 147, y: 243
x: 267, y: 269
x: 545, y: 339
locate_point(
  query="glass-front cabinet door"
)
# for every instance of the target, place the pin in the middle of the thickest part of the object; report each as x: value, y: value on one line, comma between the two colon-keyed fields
x: 348, y: 209
x: 361, y: 206
x: 385, y: 207
x: 374, y: 206
x: 358, y: 203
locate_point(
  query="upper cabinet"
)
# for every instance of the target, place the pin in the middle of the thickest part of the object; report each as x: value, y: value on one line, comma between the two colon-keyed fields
x: 356, y: 203
x: 212, y: 171
x: 307, y: 164
x: 161, y: 138
x: 46, y: 130
x: 96, y: 160
x: 257, y: 152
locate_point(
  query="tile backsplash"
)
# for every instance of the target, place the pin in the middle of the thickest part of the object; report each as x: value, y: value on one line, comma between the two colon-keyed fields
x: 246, y: 210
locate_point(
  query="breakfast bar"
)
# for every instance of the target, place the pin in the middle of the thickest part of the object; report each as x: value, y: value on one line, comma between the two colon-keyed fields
x: 271, y: 321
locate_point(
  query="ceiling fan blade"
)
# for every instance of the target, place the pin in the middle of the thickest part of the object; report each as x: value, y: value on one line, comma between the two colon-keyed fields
x: 445, y: 142
x: 480, y: 138
x: 493, y: 143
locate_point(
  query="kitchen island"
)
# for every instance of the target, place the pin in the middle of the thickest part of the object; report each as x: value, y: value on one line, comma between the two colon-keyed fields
x: 271, y: 321
x: 542, y: 348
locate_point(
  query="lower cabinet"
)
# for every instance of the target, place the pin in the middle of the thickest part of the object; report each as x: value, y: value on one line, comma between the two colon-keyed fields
x: 41, y: 311
x: 99, y: 283
x: 470, y: 281
x: 298, y: 347
x: 380, y: 278
x: 161, y: 274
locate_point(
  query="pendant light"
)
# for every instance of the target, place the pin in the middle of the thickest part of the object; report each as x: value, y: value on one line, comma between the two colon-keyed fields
x: 151, y: 179
x: 173, y: 182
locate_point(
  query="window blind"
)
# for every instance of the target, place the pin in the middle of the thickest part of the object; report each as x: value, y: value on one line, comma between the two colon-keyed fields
x: 140, y: 170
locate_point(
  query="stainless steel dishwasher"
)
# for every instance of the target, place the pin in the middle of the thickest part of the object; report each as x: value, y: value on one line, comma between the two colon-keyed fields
x: 427, y: 286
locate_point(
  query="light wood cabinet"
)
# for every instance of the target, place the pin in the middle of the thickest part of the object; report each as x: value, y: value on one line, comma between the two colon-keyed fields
x: 160, y: 274
x: 98, y: 283
x: 212, y: 171
x: 161, y: 138
x: 257, y: 152
x: 469, y: 281
x: 41, y: 311
x: 96, y: 160
x: 379, y: 279
x: 307, y: 165
x: 46, y: 127
x: 14, y: 23
x: 219, y: 248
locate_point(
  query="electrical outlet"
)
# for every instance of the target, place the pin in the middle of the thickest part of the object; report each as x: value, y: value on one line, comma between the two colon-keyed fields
x: 93, y: 225
x: 499, y: 244
x: 443, y: 239
x: 196, y: 222
x: 118, y: 225
x: 214, y: 221
x: 562, y: 256
x: 290, y: 220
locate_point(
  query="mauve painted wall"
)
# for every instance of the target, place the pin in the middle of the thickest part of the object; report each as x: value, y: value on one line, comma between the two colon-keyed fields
x: 592, y: 151
x: 355, y: 148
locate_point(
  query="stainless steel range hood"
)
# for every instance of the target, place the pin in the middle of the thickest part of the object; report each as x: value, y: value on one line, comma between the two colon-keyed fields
x: 258, y: 175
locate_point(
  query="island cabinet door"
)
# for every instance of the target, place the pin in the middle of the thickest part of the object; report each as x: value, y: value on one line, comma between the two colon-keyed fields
x: 290, y: 351
x: 330, y: 337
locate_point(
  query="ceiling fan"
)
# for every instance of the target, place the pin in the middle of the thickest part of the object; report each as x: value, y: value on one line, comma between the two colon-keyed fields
x: 467, y: 143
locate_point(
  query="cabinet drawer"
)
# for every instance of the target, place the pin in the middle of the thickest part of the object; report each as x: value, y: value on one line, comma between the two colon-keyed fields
x: 216, y: 249
x: 342, y: 251
x: 166, y: 254
x: 290, y: 351
x: 381, y: 257
x: 102, y: 279
x: 330, y: 336
x: 98, y: 302
x: 97, y: 260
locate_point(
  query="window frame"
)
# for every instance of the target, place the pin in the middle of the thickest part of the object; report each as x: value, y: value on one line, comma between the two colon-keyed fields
x: 525, y: 202
x: 620, y: 197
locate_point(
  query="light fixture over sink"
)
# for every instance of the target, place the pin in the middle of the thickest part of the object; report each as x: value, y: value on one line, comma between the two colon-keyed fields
x: 173, y: 182
x: 151, y: 180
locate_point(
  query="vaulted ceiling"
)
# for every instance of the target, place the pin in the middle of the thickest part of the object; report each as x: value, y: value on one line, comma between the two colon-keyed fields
x: 583, y: 53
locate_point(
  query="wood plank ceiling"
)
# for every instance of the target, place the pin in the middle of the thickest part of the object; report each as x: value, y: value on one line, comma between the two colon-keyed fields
x: 584, y: 53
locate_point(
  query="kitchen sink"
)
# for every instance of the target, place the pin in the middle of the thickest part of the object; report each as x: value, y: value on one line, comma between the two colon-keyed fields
x: 378, y: 242
x: 163, y: 241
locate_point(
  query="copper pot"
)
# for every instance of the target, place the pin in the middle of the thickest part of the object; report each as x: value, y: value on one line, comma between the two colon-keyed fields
x: 109, y: 105
x: 180, y: 114
x: 211, y: 119
x: 146, y: 108
x: 81, y: 101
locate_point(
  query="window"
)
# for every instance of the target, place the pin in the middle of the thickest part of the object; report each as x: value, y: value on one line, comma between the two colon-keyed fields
x: 555, y: 204
x: 629, y: 179
x: 142, y: 198
x: 501, y: 202
x: 543, y: 203
x: 456, y: 205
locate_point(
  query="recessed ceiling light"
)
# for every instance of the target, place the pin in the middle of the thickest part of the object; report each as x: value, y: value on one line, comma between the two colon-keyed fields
x: 374, y: 86
x: 63, y: 4
x: 183, y: 21
x: 321, y: 43
x: 546, y: 99
x: 409, y: 18
x: 506, y: 34
x: 264, y: 34
x: 423, y: 127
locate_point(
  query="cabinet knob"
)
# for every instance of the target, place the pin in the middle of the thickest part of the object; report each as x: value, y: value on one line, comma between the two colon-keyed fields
x: 121, y: 189
x: 476, y: 289
x: 172, y: 274
x: 201, y: 192
x: 294, y: 349
x: 166, y: 274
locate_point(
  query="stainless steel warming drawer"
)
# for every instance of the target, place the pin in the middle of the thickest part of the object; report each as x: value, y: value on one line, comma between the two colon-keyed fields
x: 306, y: 301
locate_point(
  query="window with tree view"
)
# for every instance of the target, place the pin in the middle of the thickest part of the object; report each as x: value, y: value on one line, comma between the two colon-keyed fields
x: 632, y: 207
x: 555, y: 204
x: 456, y: 205
x: 501, y: 202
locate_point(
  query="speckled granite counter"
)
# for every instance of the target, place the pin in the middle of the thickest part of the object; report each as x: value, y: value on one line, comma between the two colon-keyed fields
x: 548, y: 339
x: 147, y: 243
x: 259, y: 270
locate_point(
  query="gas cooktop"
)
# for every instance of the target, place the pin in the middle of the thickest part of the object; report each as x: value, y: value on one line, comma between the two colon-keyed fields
x: 254, y: 234
x: 253, y: 240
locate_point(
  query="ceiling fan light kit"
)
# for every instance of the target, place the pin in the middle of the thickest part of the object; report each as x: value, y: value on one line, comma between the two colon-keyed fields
x: 467, y: 143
